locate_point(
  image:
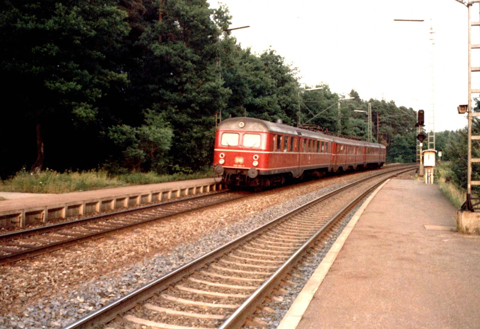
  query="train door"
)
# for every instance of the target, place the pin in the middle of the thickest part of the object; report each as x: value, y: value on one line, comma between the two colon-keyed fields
x: 334, y: 156
x: 296, y: 149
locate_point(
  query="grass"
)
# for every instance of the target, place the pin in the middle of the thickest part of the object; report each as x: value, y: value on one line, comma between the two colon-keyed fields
x: 50, y: 181
x: 455, y: 194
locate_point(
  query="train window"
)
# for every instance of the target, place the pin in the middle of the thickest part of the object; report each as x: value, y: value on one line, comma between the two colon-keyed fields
x: 292, y: 142
x: 323, y: 147
x: 278, y: 147
x: 304, y: 145
x: 285, y: 143
x: 229, y: 139
x: 251, y: 140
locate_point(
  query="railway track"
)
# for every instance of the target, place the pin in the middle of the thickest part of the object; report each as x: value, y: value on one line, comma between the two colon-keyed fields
x: 224, y: 287
x: 28, y: 243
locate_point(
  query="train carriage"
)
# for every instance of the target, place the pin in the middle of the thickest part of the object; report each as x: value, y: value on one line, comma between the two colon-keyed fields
x: 257, y: 153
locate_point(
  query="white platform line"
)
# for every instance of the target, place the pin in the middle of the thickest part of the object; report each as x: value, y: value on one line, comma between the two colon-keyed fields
x: 301, y: 303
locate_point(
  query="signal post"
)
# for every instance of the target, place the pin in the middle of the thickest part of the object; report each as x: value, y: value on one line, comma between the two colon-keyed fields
x: 468, y: 220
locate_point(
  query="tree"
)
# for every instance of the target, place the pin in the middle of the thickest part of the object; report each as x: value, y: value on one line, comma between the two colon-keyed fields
x: 143, y: 147
x: 319, y: 107
x: 402, y: 149
x: 180, y: 75
x: 58, y: 60
x: 261, y: 86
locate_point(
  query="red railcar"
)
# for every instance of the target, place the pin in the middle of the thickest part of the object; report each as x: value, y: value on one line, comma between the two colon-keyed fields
x: 258, y: 153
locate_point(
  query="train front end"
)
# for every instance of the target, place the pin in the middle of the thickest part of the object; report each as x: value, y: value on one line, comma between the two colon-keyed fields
x: 240, y: 155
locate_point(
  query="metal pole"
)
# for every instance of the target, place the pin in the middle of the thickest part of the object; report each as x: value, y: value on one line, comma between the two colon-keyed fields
x: 369, y: 122
x: 299, y: 109
x: 378, y: 126
x: 469, y: 113
x: 339, y: 123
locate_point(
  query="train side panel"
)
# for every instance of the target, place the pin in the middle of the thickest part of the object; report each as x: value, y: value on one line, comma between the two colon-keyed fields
x: 253, y: 152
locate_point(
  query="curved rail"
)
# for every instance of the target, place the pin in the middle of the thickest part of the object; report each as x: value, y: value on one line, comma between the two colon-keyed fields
x: 109, y: 312
x: 238, y: 318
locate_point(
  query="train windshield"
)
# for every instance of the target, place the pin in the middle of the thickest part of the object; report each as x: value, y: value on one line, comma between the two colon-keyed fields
x: 251, y: 140
x: 230, y: 139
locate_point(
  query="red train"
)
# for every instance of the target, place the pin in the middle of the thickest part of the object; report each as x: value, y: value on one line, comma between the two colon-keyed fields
x: 256, y: 153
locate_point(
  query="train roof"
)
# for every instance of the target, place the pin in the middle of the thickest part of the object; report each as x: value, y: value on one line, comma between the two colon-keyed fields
x: 253, y: 124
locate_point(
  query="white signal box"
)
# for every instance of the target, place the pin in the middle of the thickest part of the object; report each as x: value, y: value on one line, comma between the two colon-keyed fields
x: 429, y: 165
x: 429, y: 158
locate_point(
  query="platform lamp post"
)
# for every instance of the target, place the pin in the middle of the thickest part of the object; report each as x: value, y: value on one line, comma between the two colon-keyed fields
x: 218, y: 115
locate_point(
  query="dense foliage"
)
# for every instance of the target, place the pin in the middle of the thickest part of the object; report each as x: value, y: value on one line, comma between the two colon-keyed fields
x: 454, y: 148
x: 139, y: 85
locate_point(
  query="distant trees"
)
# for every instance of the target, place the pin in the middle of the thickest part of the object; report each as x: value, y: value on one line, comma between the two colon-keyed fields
x: 392, y: 126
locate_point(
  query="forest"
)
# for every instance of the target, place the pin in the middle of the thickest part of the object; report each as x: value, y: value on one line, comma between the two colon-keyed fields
x: 137, y: 85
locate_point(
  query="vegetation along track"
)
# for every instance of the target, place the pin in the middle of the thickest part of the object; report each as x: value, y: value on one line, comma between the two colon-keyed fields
x: 224, y: 287
x: 27, y: 243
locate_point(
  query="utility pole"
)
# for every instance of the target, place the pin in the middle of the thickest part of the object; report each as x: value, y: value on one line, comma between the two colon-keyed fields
x: 370, y: 122
x: 471, y: 202
x: 218, y: 114
x: 339, y: 122
x: 430, y: 143
x: 378, y: 127
x: 431, y: 113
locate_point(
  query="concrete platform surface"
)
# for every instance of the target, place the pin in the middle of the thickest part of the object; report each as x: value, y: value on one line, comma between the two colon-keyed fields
x: 403, y: 266
x: 25, y: 200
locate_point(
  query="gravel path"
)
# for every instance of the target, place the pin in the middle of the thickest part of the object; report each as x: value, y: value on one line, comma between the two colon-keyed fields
x: 54, y: 290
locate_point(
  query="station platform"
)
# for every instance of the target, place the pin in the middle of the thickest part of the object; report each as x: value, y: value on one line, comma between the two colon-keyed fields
x: 402, y: 265
x: 20, y: 209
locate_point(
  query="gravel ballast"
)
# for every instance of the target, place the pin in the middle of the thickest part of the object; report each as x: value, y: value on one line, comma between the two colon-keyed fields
x: 57, y: 289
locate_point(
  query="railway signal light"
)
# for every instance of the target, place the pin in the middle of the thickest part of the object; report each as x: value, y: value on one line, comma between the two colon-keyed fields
x: 421, y: 137
x: 421, y: 117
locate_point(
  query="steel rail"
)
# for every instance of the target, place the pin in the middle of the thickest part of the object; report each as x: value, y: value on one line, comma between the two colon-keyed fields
x: 31, y: 252
x: 110, y: 311
x: 47, y: 228
x: 238, y: 318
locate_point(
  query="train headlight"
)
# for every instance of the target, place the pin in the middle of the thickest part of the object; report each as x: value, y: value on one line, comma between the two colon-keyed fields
x: 221, y: 161
x: 255, y: 157
x: 221, y: 155
x: 255, y: 163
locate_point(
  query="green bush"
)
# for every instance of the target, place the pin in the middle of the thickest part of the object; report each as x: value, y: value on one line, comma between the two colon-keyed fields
x: 50, y: 181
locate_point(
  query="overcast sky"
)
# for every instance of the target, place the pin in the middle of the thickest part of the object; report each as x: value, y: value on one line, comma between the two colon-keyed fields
x: 355, y: 44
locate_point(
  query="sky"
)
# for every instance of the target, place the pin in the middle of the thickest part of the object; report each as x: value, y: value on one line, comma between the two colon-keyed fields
x: 356, y: 44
